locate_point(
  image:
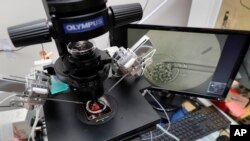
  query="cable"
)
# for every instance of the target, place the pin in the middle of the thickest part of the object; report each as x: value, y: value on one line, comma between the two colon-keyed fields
x: 38, y: 109
x: 12, y: 50
x: 147, y: 59
x: 62, y: 100
x: 166, y: 132
x: 154, y: 11
x: 150, y: 54
x: 244, y: 5
x: 145, y: 6
x: 169, y: 123
x: 165, y: 112
x: 7, y: 98
x: 5, y: 106
x: 53, y: 99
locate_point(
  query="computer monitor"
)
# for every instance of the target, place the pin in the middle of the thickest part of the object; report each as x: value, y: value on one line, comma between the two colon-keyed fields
x: 189, y: 61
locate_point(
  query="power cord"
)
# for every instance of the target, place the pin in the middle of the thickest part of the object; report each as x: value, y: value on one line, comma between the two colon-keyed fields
x: 151, y: 13
x: 5, y: 106
x: 10, y: 105
x: 165, y: 131
x: 145, y: 6
x: 32, y: 133
x: 165, y: 112
x: 11, y: 50
x: 8, y: 97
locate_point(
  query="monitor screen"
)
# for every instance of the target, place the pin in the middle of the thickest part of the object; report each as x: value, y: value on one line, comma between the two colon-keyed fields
x: 193, y: 61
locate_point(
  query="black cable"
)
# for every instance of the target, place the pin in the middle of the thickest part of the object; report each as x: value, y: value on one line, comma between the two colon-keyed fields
x: 5, y: 106
x: 13, y: 50
x: 8, y: 106
x: 244, y: 5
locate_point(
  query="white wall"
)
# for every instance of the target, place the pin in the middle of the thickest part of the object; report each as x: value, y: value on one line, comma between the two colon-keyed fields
x: 15, y: 12
x: 204, y: 13
x: 172, y: 13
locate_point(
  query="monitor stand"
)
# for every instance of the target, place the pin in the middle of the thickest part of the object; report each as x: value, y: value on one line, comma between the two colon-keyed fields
x: 134, y: 115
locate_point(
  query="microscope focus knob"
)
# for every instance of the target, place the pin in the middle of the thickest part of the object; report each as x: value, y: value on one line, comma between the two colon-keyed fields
x: 127, y: 13
x: 30, y: 33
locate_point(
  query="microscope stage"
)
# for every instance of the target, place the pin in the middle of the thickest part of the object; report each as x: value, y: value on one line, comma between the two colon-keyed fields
x: 134, y: 115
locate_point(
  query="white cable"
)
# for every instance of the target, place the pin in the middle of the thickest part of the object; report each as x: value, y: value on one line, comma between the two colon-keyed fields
x: 7, y: 98
x: 147, y: 60
x: 165, y: 112
x: 151, y: 13
x: 150, y: 54
x: 166, y: 132
x: 169, y: 123
x: 145, y: 6
x: 38, y: 109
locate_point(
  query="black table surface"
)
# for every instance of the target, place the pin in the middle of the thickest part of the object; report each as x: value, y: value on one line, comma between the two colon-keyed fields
x: 134, y: 115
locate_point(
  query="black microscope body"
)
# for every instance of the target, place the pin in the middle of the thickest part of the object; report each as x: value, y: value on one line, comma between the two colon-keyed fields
x: 72, y: 23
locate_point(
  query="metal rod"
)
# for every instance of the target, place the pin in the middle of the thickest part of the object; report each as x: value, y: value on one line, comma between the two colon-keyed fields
x: 54, y: 99
x: 116, y: 83
x: 61, y: 100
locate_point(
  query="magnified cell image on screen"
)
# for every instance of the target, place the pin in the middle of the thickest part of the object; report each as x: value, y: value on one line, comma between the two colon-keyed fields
x: 184, y: 61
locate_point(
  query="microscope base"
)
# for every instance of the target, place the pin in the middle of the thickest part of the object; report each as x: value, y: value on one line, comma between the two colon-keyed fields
x: 134, y: 115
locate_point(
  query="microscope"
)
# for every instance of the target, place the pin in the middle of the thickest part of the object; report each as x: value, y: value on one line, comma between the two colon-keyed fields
x: 94, y: 103
x: 81, y: 65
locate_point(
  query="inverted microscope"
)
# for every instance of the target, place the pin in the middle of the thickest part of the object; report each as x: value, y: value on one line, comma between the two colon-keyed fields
x: 84, y: 68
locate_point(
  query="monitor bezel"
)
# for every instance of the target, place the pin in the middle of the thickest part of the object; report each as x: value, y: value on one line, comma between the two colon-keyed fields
x: 120, y: 36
